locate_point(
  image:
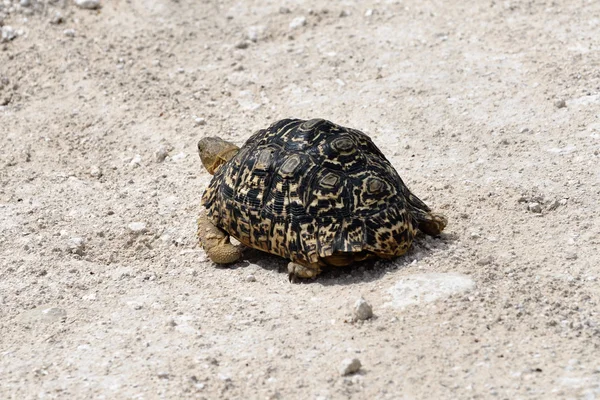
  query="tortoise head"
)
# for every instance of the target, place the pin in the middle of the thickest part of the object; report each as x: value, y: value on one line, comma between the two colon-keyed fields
x: 215, y: 152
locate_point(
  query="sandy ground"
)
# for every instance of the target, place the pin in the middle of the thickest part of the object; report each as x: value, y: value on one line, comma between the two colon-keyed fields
x: 489, y: 111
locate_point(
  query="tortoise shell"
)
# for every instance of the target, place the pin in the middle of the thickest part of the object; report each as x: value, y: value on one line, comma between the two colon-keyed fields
x: 310, y: 190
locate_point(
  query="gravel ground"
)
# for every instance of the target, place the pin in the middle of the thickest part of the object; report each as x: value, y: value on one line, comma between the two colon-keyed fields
x: 489, y: 111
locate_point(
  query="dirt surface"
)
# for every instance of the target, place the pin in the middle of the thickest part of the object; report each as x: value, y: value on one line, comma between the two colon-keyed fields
x: 489, y: 111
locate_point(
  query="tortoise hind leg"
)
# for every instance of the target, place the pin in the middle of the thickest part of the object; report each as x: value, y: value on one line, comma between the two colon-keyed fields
x: 216, y: 242
x: 296, y: 270
x: 432, y: 223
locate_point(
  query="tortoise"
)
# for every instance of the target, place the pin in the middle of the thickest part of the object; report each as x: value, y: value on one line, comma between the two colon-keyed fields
x: 311, y: 191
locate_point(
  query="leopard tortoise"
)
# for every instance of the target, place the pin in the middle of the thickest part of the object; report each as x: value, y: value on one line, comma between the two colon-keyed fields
x: 313, y: 192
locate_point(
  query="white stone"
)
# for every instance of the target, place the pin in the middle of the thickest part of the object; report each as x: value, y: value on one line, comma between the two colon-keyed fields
x: 69, y: 32
x: 77, y: 245
x: 87, y: 4
x: 137, y: 227
x: 95, y: 171
x: 136, y: 161
x: 179, y: 157
x: 534, y: 207
x: 297, y: 22
x: 361, y: 310
x: 428, y: 287
x: 8, y: 34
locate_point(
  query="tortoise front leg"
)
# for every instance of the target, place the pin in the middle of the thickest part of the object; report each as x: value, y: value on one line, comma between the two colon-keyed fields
x: 216, y: 242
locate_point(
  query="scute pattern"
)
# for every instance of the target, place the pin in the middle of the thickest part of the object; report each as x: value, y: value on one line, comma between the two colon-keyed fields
x: 307, y: 190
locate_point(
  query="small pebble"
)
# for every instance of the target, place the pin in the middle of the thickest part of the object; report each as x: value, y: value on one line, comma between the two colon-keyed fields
x: 69, y: 32
x: 560, y: 103
x: 198, y: 121
x: 298, y: 22
x: 8, y: 34
x: 242, y: 45
x: 250, y: 278
x: 88, y: 4
x: 524, y: 130
x: 179, y: 156
x: 284, y: 10
x: 77, y: 245
x: 95, y: 171
x: 25, y: 3
x: 368, y: 13
x: 349, y: 366
x: 361, y: 310
x: 344, y: 14
x: 534, y: 208
x: 137, y: 227
x: 571, y: 256
x: 161, y: 154
x: 136, y: 161
x: 57, y: 19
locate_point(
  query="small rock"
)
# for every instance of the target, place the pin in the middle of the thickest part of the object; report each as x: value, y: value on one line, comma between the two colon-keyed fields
x: 250, y: 278
x: 69, y: 32
x: 349, y: 366
x: 242, y: 45
x: 298, y: 22
x: 344, y: 14
x: 361, y: 310
x: 163, y: 375
x: 87, y: 4
x: 136, y: 161
x: 198, y: 121
x: 571, y: 256
x: 57, y: 19
x: 284, y: 10
x: 25, y: 3
x: 8, y: 34
x: 369, y: 12
x: 179, y: 157
x: 560, y: 103
x: 534, y: 208
x: 161, y: 154
x: 137, y: 227
x: 77, y: 245
x: 524, y: 130
x: 254, y: 33
x: 95, y: 171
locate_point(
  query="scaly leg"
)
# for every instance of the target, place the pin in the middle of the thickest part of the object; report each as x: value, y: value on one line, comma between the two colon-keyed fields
x: 296, y: 271
x: 216, y: 242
